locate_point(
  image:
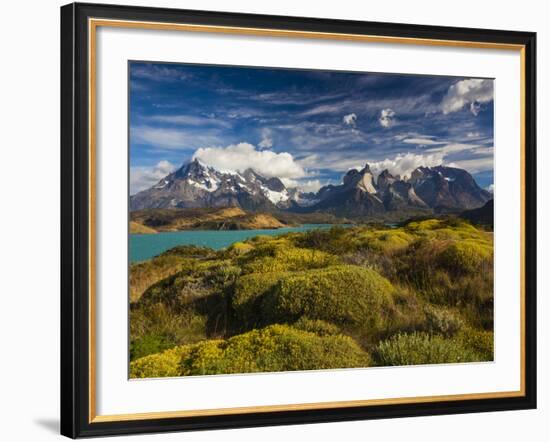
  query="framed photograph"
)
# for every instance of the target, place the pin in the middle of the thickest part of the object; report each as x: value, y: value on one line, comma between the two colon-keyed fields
x: 275, y: 220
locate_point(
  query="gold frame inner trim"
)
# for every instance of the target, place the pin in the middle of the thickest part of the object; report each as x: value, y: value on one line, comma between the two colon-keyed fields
x: 93, y: 24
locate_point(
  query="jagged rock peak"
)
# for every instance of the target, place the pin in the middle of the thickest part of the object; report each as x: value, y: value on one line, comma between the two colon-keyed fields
x: 351, y: 176
x: 366, y: 183
x: 196, y: 184
x: 191, y: 168
x: 363, y: 180
x: 250, y: 174
x: 366, y: 169
x: 385, y: 179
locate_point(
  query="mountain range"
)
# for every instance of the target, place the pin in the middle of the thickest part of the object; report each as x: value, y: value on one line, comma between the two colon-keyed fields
x: 196, y: 185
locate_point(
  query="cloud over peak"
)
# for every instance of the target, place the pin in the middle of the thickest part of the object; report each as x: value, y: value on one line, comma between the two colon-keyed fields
x: 241, y: 156
x: 144, y: 177
x: 404, y: 164
x: 472, y: 91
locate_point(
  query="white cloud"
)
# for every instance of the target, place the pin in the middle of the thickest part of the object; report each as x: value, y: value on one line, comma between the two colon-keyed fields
x: 334, y: 161
x: 328, y: 108
x: 490, y: 188
x: 358, y: 104
x: 473, y: 135
x: 142, y: 178
x: 350, y: 119
x: 171, y: 138
x: 472, y: 91
x: 286, y: 97
x: 303, y: 185
x: 190, y: 120
x: 422, y: 141
x: 404, y: 164
x: 241, y: 156
x: 387, y: 117
x: 310, y: 185
x: 412, y: 135
x: 311, y: 136
x: 474, y: 165
x: 156, y: 72
x: 266, y: 141
x: 452, y: 148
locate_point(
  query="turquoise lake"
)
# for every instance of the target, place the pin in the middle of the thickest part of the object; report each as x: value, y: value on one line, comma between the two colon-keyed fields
x: 145, y: 246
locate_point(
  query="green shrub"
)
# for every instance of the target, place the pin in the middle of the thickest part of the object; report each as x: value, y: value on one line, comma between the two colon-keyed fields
x: 176, y: 292
x: 473, y: 294
x: 190, y: 251
x: 449, y: 272
x: 467, y: 256
x: 223, y: 274
x: 260, y: 239
x: 335, y: 240
x: 149, y: 344
x: 248, y: 295
x: 422, y: 348
x: 438, y: 287
x: 480, y: 341
x: 165, y: 364
x: 440, y: 320
x: 429, y: 224
x: 275, y: 348
x: 156, y: 327
x: 408, y: 314
x: 342, y: 294
x: 317, y: 326
x: 273, y: 257
x: 265, y: 247
x: 454, y: 229
x: 239, y: 248
x: 197, y: 279
x: 385, y: 241
x: 144, y: 274
x: 418, y: 263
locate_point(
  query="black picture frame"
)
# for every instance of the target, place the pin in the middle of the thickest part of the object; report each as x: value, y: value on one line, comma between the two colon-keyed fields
x: 75, y: 221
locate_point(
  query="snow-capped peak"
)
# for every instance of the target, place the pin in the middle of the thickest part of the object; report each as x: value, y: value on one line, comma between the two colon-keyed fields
x: 195, y: 180
x: 274, y: 196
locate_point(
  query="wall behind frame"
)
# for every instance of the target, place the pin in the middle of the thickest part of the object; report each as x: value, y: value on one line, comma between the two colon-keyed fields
x: 29, y: 221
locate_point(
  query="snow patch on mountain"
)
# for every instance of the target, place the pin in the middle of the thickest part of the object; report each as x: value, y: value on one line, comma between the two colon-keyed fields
x: 274, y: 196
x: 197, y: 185
x: 162, y: 184
x: 208, y: 185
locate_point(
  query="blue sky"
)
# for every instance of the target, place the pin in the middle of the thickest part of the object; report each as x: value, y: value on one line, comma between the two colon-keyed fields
x: 306, y: 127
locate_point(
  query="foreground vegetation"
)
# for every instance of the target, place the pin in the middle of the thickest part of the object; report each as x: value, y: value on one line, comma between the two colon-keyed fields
x: 341, y: 297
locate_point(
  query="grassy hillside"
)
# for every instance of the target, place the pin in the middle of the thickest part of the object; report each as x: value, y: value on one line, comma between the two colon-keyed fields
x: 229, y: 218
x: 137, y: 228
x: 144, y: 274
x: 332, y: 298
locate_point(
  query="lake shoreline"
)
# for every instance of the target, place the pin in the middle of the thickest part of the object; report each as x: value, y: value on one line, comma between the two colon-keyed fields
x: 144, y: 246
